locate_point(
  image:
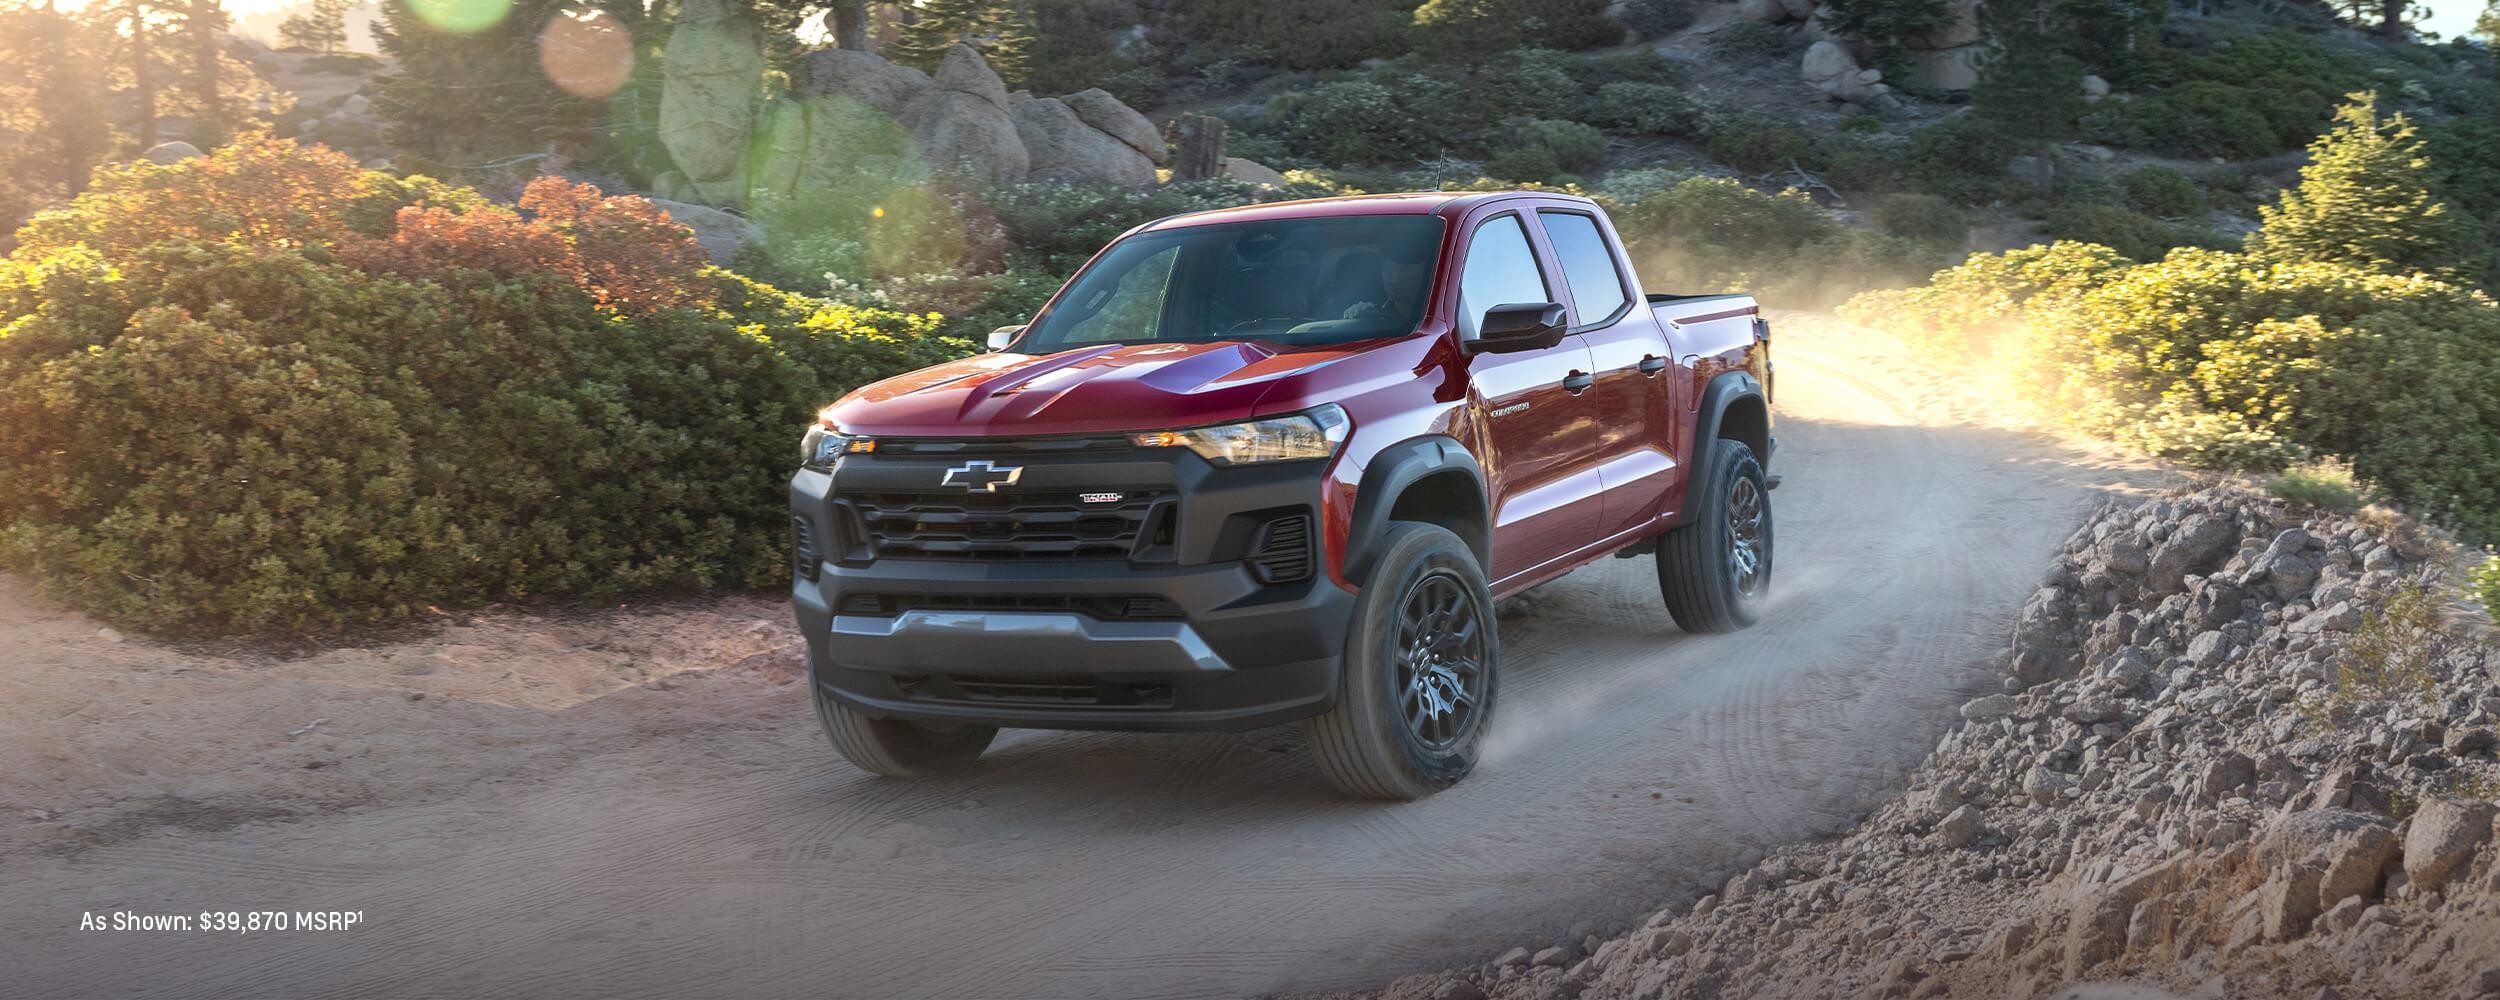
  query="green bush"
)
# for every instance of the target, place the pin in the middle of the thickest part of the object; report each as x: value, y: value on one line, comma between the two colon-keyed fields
x: 254, y: 418
x: 1655, y: 18
x: 1462, y: 30
x: 2486, y: 585
x: 2130, y: 232
x: 1651, y: 108
x: 1962, y: 159
x: 1970, y: 308
x: 2163, y: 193
x: 1531, y: 164
x: 1761, y: 145
x: 1290, y: 33
x: 1521, y: 83
x: 2255, y: 97
x: 1367, y: 120
x: 1711, y: 234
x: 1745, y: 41
x: 1575, y: 146
x: 2327, y: 486
x: 1924, y: 218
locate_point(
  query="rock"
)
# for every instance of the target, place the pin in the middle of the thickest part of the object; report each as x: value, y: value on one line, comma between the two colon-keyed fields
x: 874, y: 83
x: 708, y: 95
x: 2198, y: 544
x: 1096, y: 107
x: 1245, y: 170
x: 2441, y: 840
x: 1797, y: 10
x: 1958, y: 828
x: 961, y: 121
x: 1953, y: 70
x: 170, y: 152
x: 108, y: 634
x: 1458, y: 989
x: 2225, y: 775
x: 357, y: 104
x: 1831, y: 69
x: 2207, y: 650
x: 721, y: 233
x: 1553, y: 957
x: 1766, y: 11
x: 2343, y: 617
x: 1989, y: 707
x: 2287, y: 564
x: 1512, y: 959
x: 2094, y: 88
x: 1061, y: 146
x: 2044, y: 784
x: 2088, y: 710
x: 2463, y: 741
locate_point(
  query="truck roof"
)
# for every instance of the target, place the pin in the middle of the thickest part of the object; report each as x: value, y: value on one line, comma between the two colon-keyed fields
x: 1408, y: 203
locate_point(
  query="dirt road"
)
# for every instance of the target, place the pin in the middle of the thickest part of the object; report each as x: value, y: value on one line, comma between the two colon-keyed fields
x: 638, y: 802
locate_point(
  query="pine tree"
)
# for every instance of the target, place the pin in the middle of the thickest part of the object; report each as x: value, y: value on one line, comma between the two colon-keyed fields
x: 52, y: 96
x: 2031, y: 89
x: 2487, y: 27
x: 321, y: 28
x: 204, y: 41
x: 470, y: 105
x: 997, y: 29
x: 1885, y: 24
x: 2363, y: 200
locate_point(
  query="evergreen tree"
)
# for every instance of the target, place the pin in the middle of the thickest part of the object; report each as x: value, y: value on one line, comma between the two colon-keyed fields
x: 1884, y: 24
x: 2364, y: 200
x: 321, y: 28
x: 2031, y: 88
x: 1466, y: 29
x: 2487, y: 27
x: 52, y: 95
x: 470, y: 105
x: 997, y: 29
x: 204, y: 43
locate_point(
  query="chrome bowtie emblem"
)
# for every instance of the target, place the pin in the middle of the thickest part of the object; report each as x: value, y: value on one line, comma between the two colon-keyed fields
x: 979, y: 476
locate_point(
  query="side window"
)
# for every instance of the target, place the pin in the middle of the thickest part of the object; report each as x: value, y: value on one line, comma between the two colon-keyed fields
x: 1501, y: 270
x: 1588, y: 264
x: 1134, y: 309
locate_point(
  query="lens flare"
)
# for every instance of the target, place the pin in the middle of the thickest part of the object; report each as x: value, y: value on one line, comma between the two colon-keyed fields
x: 460, y: 17
x: 588, y: 56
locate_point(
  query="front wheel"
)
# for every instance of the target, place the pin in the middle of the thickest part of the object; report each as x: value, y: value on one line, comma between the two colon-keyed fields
x: 1715, y: 571
x: 1416, y: 690
x: 899, y: 748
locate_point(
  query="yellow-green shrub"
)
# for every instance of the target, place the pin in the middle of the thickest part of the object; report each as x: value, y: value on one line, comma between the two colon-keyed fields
x: 229, y: 425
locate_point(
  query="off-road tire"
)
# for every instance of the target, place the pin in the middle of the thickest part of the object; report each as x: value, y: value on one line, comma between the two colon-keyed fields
x: 899, y: 748
x: 1369, y: 744
x: 1699, y: 564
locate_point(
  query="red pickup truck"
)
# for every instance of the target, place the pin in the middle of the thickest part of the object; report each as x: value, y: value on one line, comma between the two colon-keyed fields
x: 1274, y: 464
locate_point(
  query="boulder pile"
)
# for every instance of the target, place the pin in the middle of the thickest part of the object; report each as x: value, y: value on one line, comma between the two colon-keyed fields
x: 2236, y: 753
x: 853, y: 114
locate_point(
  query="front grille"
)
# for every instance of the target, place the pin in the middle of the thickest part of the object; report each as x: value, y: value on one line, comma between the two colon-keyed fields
x: 1103, y: 608
x: 1006, y: 525
x: 805, y: 555
x: 1282, y: 551
x: 1049, y: 691
x: 1002, y: 446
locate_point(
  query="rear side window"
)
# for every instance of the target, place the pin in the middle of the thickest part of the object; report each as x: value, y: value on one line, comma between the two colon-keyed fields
x: 1501, y: 271
x: 1587, y: 264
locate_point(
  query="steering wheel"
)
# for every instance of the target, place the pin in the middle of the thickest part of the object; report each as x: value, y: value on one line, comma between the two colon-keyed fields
x: 1287, y: 322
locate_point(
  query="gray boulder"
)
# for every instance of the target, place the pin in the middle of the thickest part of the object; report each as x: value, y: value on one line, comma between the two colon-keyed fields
x: 721, y: 233
x: 863, y: 78
x: 1061, y: 146
x: 962, y: 124
x: 708, y: 98
x: 1096, y: 107
x: 1253, y: 172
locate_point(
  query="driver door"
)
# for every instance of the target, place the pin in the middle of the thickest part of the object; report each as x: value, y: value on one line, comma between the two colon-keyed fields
x: 1540, y: 434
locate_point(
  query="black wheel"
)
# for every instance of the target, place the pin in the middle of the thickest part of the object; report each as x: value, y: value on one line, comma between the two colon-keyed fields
x: 899, y: 748
x: 1715, y: 570
x: 1416, y: 690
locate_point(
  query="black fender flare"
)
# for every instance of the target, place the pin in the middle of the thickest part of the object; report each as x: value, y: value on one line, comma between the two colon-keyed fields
x: 1723, y: 392
x: 1385, y: 479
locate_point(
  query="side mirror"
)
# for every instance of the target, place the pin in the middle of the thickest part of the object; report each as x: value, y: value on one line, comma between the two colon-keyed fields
x: 1520, y: 326
x: 1005, y: 335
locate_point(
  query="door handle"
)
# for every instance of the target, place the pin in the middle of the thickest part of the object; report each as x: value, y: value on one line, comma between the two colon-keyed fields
x: 1578, y: 381
x: 1652, y: 364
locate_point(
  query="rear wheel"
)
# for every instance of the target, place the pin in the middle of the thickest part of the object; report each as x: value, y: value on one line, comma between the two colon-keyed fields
x: 1416, y: 690
x: 1715, y: 571
x: 899, y: 748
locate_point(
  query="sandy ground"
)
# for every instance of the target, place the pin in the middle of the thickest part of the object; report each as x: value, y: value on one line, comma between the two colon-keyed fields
x: 635, y: 801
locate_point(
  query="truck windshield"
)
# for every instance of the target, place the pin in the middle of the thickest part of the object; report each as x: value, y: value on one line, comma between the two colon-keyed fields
x: 1300, y: 281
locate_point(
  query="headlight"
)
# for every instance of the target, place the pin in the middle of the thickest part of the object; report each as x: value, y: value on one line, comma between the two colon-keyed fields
x: 1311, y: 434
x: 821, y: 446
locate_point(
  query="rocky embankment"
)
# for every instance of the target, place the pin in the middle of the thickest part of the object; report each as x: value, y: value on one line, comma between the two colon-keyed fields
x: 2237, y: 753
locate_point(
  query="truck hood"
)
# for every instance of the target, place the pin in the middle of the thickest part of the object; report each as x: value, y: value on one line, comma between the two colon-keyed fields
x: 1084, y: 391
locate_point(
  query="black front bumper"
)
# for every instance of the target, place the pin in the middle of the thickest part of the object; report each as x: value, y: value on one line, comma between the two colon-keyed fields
x: 1050, y: 642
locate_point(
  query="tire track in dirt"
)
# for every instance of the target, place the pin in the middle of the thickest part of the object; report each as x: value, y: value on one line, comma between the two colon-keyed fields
x: 730, y: 853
